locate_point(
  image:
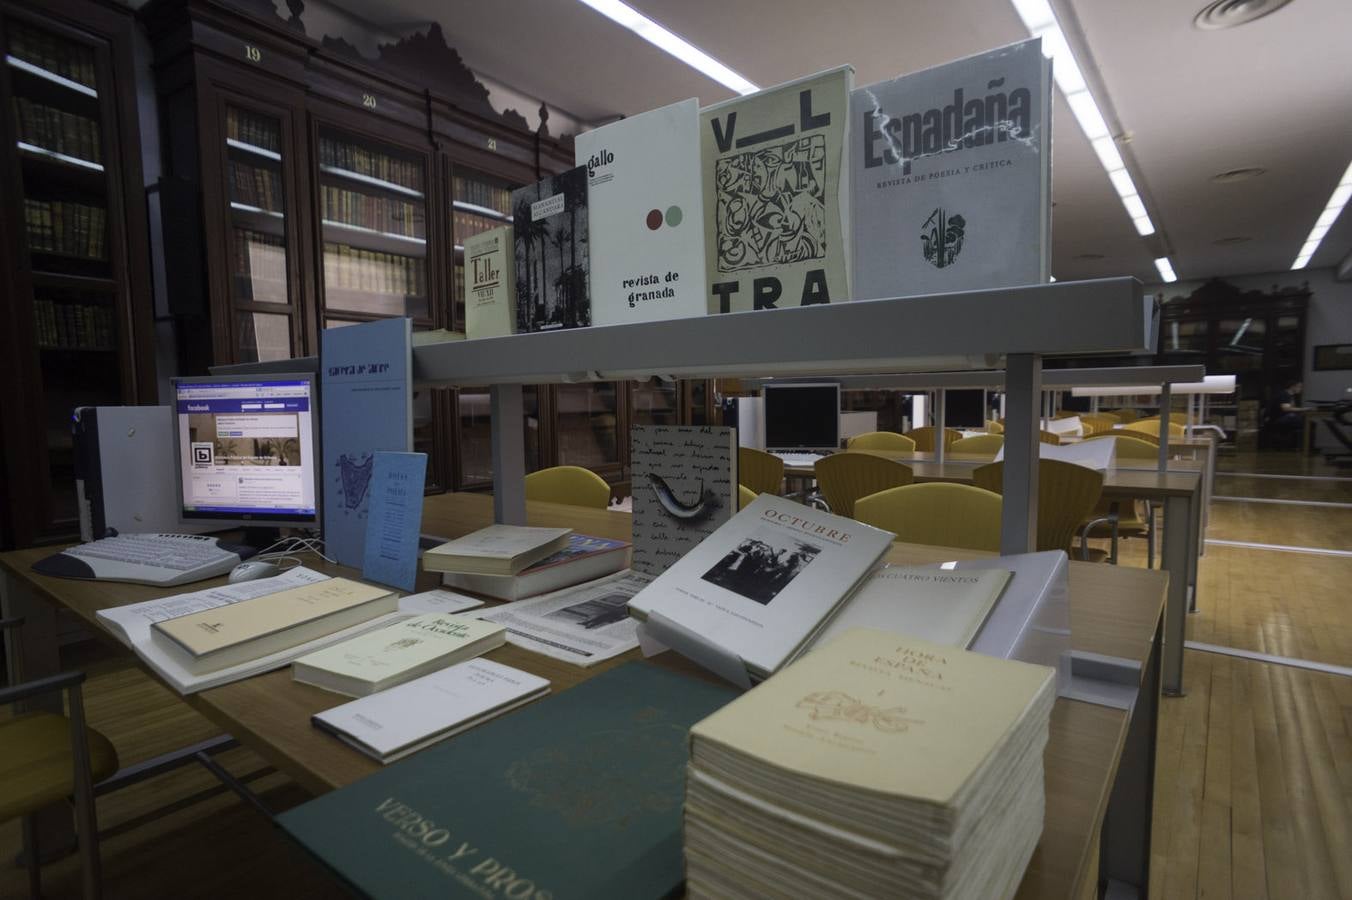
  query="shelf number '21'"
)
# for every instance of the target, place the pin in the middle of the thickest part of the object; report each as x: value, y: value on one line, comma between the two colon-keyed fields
x: 252, y: 53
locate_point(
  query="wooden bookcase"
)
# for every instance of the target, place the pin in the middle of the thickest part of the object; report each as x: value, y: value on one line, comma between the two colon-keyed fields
x: 332, y: 190
x: 76, y: 328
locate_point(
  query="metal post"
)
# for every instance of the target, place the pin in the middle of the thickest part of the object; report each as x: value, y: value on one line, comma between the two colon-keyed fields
x: 509, y: 455
x: 1023, y: 387
x: 940, y: 423
x: 1166, y: 400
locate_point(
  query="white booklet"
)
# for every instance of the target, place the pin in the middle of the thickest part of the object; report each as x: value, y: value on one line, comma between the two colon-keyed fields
x: 404, y: 719
x: 760, y: 586
x: 131, y: 625
x: 582, y: 625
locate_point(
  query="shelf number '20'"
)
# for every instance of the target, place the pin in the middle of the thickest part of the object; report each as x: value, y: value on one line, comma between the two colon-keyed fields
x: 253, y: 54
x: 368, y: 101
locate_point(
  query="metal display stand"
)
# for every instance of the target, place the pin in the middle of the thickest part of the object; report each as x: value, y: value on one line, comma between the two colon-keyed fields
x: 958, y: 331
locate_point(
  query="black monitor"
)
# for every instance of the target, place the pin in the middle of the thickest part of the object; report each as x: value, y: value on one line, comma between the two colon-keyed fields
x: 802, y: 417
x: 248, y: 449
x: 965, y: 409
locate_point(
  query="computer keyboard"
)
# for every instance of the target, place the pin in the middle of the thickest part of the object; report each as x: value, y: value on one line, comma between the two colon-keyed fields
x: 156, y: 559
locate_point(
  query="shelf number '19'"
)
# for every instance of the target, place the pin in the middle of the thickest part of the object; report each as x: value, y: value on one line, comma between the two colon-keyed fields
x: 253, y: 54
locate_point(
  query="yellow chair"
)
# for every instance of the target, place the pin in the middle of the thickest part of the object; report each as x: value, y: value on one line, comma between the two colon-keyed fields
x: 1049, y: 437
x: 845, y: 477
x: 939, y: 514
x: 744, y: 496
x: 1066, y: 495
x: 47, y: 758
x: 881, y: 440
x: 1112, y: 418
x: 573, y: 485
x: 994, y: 427
x: 1152, y: 428
x: 924, y: 438
x: 980, y: 444
x: 1126, y: 415
x: 1129, y: 522
x: 762, y: 472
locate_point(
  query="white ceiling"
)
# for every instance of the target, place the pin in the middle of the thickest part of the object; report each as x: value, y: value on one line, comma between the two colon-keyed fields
x: 1275, y: 93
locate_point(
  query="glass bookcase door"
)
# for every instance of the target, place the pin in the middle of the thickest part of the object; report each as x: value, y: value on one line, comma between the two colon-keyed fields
x: 262, y: 307
x: 59, y: 117
x: 475, y: 434
x: 373, y: 215
x: 479, y: 203
x: 587, y: 426
x: 655, y: 402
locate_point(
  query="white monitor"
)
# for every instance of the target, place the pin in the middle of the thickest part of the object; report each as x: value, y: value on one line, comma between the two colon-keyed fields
x: 802, y: 417
x: 247, y: 449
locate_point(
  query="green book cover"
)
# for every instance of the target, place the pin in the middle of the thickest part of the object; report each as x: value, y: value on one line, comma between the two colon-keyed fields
x: 576, y: 796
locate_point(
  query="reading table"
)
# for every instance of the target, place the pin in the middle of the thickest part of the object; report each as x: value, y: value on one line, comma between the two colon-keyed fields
x: 1099, y: 760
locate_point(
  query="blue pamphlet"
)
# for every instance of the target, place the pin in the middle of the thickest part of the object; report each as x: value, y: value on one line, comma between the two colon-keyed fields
x: 393, y: 518
x: 366, y: 397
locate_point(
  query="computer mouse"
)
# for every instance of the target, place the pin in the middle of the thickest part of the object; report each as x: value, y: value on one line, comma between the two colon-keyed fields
x: 252, y: 570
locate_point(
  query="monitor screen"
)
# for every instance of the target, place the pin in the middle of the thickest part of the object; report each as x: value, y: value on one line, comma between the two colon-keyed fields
x: 248, y: 449
x: 965, y: 408
x: 802, y: 417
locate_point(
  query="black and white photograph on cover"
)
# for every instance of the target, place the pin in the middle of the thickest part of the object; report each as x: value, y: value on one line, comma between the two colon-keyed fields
x: 595, y: 613
x: 762, y: 565
x: 551, y: 247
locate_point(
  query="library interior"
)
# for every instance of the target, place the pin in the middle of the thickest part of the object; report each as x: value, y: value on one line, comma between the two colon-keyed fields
x: 721, y: 450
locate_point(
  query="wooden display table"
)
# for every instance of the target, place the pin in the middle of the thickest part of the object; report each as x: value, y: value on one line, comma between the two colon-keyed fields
x: 1095, y: 753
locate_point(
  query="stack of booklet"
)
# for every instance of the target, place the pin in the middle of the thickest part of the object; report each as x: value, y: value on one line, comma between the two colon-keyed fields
x: 496, y: 550
x: 877, y: 766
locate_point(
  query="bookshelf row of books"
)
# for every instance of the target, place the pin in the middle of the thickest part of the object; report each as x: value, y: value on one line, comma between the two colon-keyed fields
x: 256, y: 186
x: 78, y: 326
x: 378, y: 213
x: 62, y: 226
x: 259, y: 255
x: 249, y: 128
x: 57, y: 130
x: 892, y: 189
x: 470, y: 190
x: 352, y: 268
x: 467, y: 224
x: 362, y: 160
x: 46, y: 51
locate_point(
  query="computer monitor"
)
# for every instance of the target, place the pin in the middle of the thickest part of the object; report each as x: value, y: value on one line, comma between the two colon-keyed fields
x: 802, y: 417
x: 965, y: 408
x: 248, y: 449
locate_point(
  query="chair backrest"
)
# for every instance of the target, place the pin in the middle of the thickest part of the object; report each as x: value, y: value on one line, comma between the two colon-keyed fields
x: 924, y: 437
x: 1066, y: 495
x: 1049, y: 437
x: 994, y: 427
x: 762, y: 472
x: 940, y: 514
x: 845, y: 477
x: 1130, y: 445
x: 881, y: 440
x: 573, y: 485
x: 744, y: 496
x: 985, y: 444
x: 1152, y: 427
x: 1126, y: 415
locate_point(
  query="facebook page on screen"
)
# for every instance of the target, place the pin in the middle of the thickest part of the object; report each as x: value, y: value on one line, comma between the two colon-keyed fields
x: 248, y: 448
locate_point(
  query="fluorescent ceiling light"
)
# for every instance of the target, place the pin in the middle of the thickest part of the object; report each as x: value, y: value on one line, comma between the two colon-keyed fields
x: 1040, y: 20
x: 1165, y: 269
x: 686, y: 52
x: 1337, y: 200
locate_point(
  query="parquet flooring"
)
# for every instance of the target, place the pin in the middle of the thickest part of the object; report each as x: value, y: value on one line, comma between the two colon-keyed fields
x: 1253, y: 797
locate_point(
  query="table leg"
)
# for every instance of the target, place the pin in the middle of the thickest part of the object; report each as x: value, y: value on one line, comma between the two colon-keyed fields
x: 31, y: 653
x: 1177, y: 515
x: 1195, y: 514
x: 1124, y: 854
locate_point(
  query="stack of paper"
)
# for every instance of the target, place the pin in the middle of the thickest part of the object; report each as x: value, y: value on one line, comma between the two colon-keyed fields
x: 496, y: 550
x: 877, y: 766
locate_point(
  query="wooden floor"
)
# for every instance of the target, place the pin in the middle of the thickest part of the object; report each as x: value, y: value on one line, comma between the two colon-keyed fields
x: 1254, y: 786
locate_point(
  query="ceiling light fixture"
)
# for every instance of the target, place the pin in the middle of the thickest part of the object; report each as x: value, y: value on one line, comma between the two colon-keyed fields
x: 1041, y: 22
x: 1341, y: 194
x: 1220, y: 14
x: 679, y: 47
x: 1165, y: 269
